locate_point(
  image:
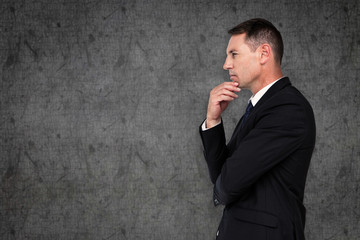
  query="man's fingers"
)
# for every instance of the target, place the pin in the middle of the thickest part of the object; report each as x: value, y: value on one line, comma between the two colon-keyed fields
x: 220, y: 96
x: 228, y: 93
x: 226, y: 86
x: 232, y: 88
x: 231, y: 85
x: 225, y: 98
x: 223, y: 92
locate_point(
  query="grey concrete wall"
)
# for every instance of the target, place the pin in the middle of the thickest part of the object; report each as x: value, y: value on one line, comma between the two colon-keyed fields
x: 100, y: 103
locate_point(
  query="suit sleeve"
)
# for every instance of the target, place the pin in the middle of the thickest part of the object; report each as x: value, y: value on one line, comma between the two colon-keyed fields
x: 277, y: 133
x: 215, y: 150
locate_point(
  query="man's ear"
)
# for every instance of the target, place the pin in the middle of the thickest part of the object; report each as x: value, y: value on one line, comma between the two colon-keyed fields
x: 265, y: 53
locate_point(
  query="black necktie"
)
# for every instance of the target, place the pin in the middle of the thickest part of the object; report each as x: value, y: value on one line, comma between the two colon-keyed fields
x: 246, y: 115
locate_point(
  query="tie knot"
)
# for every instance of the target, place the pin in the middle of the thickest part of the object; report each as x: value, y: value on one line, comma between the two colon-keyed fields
x: 247, y: 113
x: 249, y: 107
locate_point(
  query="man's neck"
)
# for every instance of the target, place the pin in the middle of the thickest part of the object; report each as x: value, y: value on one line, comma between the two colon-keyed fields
x: 266, y: 79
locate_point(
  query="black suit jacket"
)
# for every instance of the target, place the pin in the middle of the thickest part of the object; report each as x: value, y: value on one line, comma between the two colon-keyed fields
x: 260, y: 174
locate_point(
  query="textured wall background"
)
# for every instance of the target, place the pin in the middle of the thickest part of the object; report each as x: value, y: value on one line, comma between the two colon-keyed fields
x: 100, y: 104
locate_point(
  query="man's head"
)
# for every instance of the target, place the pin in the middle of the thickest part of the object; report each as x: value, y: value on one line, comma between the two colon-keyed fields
x: 254, y: 54
x: 259, y: 31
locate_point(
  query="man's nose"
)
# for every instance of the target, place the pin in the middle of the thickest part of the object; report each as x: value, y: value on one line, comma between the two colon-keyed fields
x: 227, y: 64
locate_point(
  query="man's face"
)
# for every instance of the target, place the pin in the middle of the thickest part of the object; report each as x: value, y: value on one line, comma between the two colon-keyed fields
x: 241, y: 62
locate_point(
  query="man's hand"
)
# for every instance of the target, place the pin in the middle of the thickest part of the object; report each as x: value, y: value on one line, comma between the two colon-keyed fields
x: 219, y: 99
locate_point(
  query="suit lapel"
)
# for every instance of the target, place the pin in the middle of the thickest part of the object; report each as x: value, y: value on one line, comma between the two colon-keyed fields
x: 282, y: 83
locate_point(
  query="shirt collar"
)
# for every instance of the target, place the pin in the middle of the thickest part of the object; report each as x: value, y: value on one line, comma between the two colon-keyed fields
x: 255, y: 98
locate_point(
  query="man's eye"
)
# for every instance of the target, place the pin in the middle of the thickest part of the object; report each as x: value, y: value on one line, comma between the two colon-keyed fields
x: 234, y: 54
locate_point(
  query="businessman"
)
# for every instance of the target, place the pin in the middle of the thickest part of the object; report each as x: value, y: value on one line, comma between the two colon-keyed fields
x: 260, y: 174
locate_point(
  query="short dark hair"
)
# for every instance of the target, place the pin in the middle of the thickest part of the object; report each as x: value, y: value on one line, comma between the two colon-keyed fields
x: 259, y: 31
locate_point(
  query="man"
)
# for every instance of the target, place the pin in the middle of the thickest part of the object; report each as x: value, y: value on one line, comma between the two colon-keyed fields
x: 260, y: 174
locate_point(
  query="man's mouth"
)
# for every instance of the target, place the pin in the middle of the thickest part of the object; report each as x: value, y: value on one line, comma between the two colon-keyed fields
x: 232, y: 74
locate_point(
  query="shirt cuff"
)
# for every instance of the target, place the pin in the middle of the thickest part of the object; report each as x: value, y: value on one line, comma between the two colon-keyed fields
x: 204, y: 128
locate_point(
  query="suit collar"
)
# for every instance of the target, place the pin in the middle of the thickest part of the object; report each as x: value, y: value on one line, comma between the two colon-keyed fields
x: 280, y: 84
x: 256, y: 97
